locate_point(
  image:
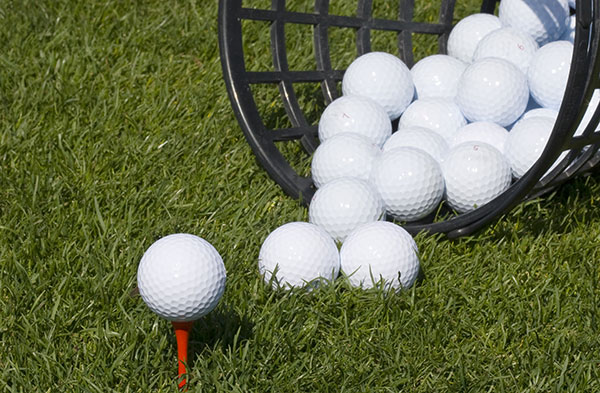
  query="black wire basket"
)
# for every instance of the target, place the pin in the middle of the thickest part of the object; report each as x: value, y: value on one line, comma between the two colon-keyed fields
x: 271, y: 138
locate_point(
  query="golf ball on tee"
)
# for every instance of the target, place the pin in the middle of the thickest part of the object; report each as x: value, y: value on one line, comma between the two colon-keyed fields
x: 344, y: 204
x: 475, y: 173
x: 481, y: 131
x: 298, y: 253
x: 181, y: 277
x: 355, y: 114
x: 543, y: 20
x: 409, y: 182
x: 548, y: 73
x: 441, y: 115
x: 493, y: 90
x: 343, y: 155
x: 421, y: 138
x: 467, y: 33
x: 382, y: 77
x: 437, y: 76
x: 380, y: 251
x: 508, y: 44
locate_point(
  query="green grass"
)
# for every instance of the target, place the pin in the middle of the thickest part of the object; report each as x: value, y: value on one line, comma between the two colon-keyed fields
x: 117, y: 130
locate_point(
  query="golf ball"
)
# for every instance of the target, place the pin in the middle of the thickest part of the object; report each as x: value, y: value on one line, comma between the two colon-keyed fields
x: 421, y: 138
x: 380, y: 253
x: 526, y: 142
x: 467, y: 33
x: 343, y: 204
x: 343, y: 155
x: 508, y: 44
x: 297, y: 254
x: 382, y: 77
x: 441, y: 115
x: 409, y: 182
x: 543, y: 112
x: 494, y: 90
x: 437, y: 76
x: 181, y: 277
x: 548, y: 73
x: 481, y: 131
x: 543, y: 20
x: 355, y: 114
x: 475, y: 173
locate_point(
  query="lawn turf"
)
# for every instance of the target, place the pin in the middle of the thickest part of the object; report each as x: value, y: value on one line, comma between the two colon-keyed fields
x: 117, y: 130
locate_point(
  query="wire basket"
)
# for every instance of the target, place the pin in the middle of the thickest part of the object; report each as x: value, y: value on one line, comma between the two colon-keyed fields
x: 271, y: 139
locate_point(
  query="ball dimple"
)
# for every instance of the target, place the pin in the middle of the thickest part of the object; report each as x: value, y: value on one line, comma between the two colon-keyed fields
x: 181, y: 277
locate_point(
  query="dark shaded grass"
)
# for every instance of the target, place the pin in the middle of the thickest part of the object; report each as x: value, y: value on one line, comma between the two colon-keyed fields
x: 116, y: 130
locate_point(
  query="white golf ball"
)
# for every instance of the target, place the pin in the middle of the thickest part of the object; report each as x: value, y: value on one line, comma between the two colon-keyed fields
x: 355, y: 114
x: 437, y: 76
x: 441, y: 115
x: 569, y: 33
x: 181, y: 277
x: 343, y: 155
x: 380, y: 253
x: 298, y: 253
x: 421, y: 138
x: 343, y: 204
x: 409, y: 182
x: 548, y: 73
x: 526, y: 142
x: 481, y: 131
x: 382, y: 77
x: 467, y: 33
x: 543, y: 20
x: 493, y: 90
x: 508, y: 44
x: 475, y: 173
x: 543, y: 112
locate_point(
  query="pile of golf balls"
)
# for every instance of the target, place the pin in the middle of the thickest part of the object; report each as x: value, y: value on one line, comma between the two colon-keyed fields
x: 468, y: 124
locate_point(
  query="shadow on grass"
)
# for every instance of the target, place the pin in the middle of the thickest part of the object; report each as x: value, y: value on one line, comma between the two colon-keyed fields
x: 220, y: 328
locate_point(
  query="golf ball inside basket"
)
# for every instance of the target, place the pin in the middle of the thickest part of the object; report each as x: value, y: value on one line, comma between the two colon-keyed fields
x: 380, y: 251
x: 437, y: 76
x: 493, y: 89
x: 481, y: 131
x: 355, y: 114
x: 548, y: 73
x: 181, y: 277
x: 467, y: 33
x: 298, y: 253
x: 441, y: 115
x: 409, y: 182
x: 421, y: 138
x: 382, y: 77
x: 508, y: 44
x: 344, y: 204
x: 543, y: 20
x: 343, y: 155
x: 475, y: 173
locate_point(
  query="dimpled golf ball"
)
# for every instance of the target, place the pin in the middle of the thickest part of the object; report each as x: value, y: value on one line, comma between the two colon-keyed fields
x: 343, y: 155
x: 548, y: 73
x: 481, y: 131
x: 543, y: 20
x: 343, y: 204
x: 543, y: 112
x: 467, y: 33
x: 508, y: 44
x: 475, y: 173
x: 380, y: 253
x: 354, y: 114
x: 181, y: 277
x: 493, y: 90
x: 298, y: 253
x: 441, y: 115
x: 526, y: 142
x: 421, y: 138
x: 437, y: 76
x: 569, y: 33
x: 382, y: 77
x: 409, y: 182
